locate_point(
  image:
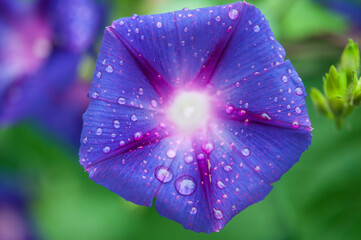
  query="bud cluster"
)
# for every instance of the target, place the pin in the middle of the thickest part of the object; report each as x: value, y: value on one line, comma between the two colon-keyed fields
x: 341, y: 87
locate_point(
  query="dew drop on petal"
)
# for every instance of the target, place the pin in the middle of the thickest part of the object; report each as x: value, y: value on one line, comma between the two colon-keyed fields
x: 220, y: 184
x: 284, y: 78
x: 121, y: 101
x: 163, y: 174
x: 193, y: 211
x: 256, y: 28
x: 218, y: 214
x: 121, y: 143
x: 233, y: 14
x: 138, y: 136
x: 298, y: 110
x: 99, y: 74
x: 246, y: 151
x: 188, y: 159
x: 218, y: 18
x: 99, y: 131
x: 159, y: 25
x: 171, y: 153
x: 133, y: 118
x: 295, y: 124
x: 153, y: 103
x: 298, y: 91
x: 95, y: 95
x: 106, y: 149
x: 207, y: 147
x: 227, y: 168
x: 185, y: 185
x: 109, y: 69
x: 116, y: 124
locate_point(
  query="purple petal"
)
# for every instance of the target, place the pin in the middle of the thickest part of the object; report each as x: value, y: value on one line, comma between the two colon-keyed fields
x: 274, y: 97
x: 176, y: 45
x: 75, y: 23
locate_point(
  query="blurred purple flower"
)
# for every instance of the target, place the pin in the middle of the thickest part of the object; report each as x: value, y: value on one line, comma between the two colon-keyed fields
x: 40, y: 49
x: 196, y: 108
x: 15, y: 222
x: 351, y: 9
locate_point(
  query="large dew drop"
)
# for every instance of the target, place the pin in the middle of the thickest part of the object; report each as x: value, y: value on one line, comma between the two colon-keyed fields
x: 185, y: 185
x: 233, y: 14
x: 163, y: 174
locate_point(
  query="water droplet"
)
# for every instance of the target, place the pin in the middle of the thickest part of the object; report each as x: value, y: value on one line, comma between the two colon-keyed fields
x: 95, y: 95
x: 171, y: 153
x: 133, y: 118
x: 298, y: 110
x: 141, y: 91
x: 188, y: 159
x: 227, y: 168
x: 135, y: 16
x: 85, y: 140
x: 99, y: 131
x: 246, y: 151
x: 116, y: 124
x: 121, y: 143
x: 284, y: 78
x: 193, y: 211
x: 121, y: 101
x: 163, y: 174
x: 207, y: 147
x: 218, y: 18
x: 99, y: 74
x: 185, y: 29
x: 154, y: 103
x: 221, y: 185
x: 229, y: 109
x: 159, y: 24
x: 234, y: 208
x: 201, y: 156
x: 233, y: 14
x: 121, y: 23
x: 256, y: 28
x: 218, y: 214
x: 296, y: 124
x: 138, y: 136
x: 185, y: 185
x: 109, y: 69
x: 106, y: 149
x: 266, y: 116
x: 298, y: 91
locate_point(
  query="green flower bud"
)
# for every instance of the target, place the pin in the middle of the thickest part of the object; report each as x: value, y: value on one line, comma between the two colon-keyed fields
x: 320, y: 103
x: 335, y: 83
x: 356, y: 92
x: 350, y: 60
x: 337, y: 105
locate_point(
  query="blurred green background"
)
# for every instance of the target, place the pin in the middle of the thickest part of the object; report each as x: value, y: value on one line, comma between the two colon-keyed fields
x: 319, y: 198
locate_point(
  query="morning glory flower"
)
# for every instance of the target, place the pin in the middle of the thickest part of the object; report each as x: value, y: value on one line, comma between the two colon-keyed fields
x: 40, y: 50
x: 195, y: 108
